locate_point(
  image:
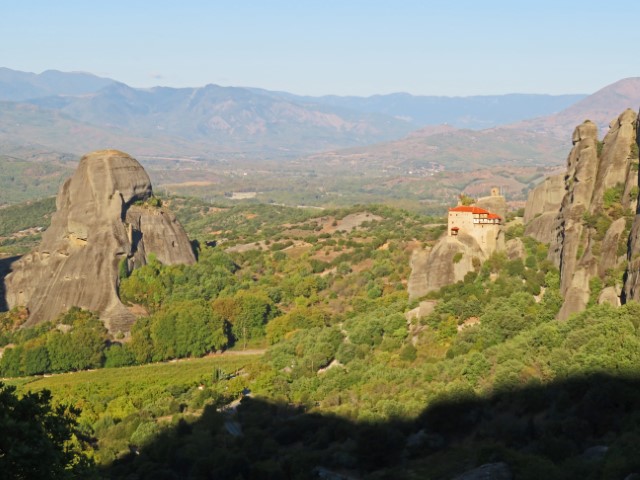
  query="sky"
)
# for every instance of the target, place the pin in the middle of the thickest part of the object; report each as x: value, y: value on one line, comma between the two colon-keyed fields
x: 340, y: 47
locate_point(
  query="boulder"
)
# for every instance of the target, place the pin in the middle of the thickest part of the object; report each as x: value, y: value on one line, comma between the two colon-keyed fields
x: 489, y: 471
x: 595, y: 453
x: 609, y: 295
x: 515, y: 249
x: 424, y: 309
x: 105, y: 218
x: 542, y: 207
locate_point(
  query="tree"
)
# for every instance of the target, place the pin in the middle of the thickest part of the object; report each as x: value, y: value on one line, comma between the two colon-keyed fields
x: 36, y: 360
x: 297, y: 318
x: 247, y: 313
x: 82, y: 347
x: 36, y: 440
x: 118, y: 355
x: 178, y: 329
x: 141, y: 344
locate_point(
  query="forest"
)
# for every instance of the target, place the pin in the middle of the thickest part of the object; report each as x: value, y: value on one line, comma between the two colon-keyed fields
x: 286, y: 351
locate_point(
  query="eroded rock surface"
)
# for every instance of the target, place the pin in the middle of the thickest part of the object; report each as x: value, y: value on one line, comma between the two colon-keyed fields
x: 586, y: 244
x: 542, y: 208
x: 448, y: 262
x: 104, y: 216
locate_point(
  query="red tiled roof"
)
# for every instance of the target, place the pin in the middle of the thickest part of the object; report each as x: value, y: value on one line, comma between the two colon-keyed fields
x: 494, y: 215
x: 455, y: 228
x: 468, y: 209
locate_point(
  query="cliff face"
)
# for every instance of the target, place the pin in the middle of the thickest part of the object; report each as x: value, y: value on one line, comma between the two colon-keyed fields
x: 448, y: 262
x: 632, y: 284
x: 588, y: 231
x: 102, y: 219
x: 589, y: 216
x: 542, y: 207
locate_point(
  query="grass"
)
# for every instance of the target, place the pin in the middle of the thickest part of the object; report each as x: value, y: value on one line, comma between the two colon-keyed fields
x: 108, y: 383
x: 116, y: 402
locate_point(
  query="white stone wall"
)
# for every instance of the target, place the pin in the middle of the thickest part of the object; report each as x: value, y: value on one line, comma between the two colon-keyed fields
x: 462, y: 220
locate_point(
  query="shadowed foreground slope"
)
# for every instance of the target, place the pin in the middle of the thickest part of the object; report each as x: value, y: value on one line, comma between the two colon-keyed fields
x: 580, y: 428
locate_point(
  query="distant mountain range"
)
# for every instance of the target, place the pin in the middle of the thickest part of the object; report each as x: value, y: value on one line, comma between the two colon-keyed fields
x: 538, y: 141
x: 452, y: 149
x: 475, y: 112
x: 77, y: 112
x: 601, y: 107
x: 16, y: 86
x: 72, y: 113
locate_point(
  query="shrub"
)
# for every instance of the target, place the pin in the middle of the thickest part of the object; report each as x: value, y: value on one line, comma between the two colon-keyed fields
x: 613, y: 195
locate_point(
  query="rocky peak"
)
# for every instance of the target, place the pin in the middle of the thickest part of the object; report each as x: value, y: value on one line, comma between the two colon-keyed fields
x: 105, y: 215
x: 588, y: 229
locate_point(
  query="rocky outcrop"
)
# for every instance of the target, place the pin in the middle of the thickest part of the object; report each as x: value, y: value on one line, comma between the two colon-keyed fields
x: 610, y: 295
x: 515, y: 249
x: 545, y: 198
x: 473, y: 234
x: 419, y: 263
x: 105, y: 217
x: 494, y: 203
x: 588, y: 234
x: 541, y: 209
x: 448, y: 262
x: 585, y: 215
x: 424, y: 309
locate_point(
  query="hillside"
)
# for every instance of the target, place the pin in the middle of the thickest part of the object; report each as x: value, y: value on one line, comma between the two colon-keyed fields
x: 230, y: 117
x: 214, y: 122
x: 453, y: 149
x: 357, y: 380
x: 600, y: 108
x: 26, y: 126
x: 474, y: 112
x: 22, y: 180
x: 348, y: 385
x: 17, y: 86
x: 536, y: 141
x: 213, y: 141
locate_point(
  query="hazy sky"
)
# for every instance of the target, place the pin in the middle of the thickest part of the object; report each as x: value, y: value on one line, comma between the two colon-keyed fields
x: 332, y: 47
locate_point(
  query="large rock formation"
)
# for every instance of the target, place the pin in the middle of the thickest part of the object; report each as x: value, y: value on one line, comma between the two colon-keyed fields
x: 589, y: 216
x: 448, y: 262
x: 495, y: 203
x: 632, y: 284
x: 589, y: 232
x: 473, y: 234
x: 542, y: 207
x: 105, y: 216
